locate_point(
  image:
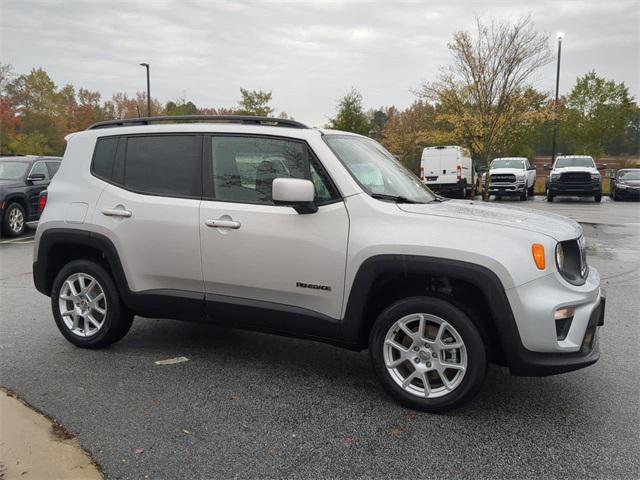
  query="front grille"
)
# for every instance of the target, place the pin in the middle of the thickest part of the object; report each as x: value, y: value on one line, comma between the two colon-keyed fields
x: 503, y: 178
x: 575, y: 177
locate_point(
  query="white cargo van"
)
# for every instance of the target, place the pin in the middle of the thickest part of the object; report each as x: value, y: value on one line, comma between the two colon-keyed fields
x: 447, y: 170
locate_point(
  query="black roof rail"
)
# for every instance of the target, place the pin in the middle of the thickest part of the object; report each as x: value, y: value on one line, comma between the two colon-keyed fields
x: 243, y: 119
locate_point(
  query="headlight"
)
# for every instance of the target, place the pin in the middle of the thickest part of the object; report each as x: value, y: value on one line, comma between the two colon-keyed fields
x: 560, y: 257
x: 554, y: 176
x: 571, y: 261
x: 595, y: 176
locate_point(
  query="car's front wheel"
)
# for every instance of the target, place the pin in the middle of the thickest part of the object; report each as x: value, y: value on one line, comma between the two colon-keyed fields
x: 86, y: 306
x: 14, y: 221
x: 427, y: 354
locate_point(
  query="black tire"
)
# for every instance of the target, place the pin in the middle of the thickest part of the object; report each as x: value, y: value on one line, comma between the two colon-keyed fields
x: 117, y: 320
x: 613, y: 195
x: 549, y: 197
x: 475, y: 350
x: 7, y: 229
x: 532, y: 190
x: 524, y: 196
x: 498, y: 197
x: 598, y: 198
x: 463, y: 190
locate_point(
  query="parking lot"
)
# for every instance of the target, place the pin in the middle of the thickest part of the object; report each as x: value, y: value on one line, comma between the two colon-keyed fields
x: 253, y: 405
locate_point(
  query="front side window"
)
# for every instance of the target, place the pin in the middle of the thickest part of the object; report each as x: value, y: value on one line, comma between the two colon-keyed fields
x: 377, y: 171
x: 244, y: 168
x: 164, y: 165
x: 13, y: 170
x: 575, y: 162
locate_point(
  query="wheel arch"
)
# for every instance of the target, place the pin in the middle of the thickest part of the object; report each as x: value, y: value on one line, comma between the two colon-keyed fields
x: 384, y: 279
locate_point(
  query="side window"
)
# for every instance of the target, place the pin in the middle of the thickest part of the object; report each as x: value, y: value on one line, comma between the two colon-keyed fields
x: 104, y: 157
x: 53, y: 168
x: 244, y: 168
x: 40, y: 168
x: 164, y: 165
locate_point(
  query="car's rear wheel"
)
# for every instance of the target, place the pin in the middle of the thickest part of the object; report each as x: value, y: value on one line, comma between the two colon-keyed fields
x: 598, y: 198
x: 86, y: 306
x: 14, y: 221
x: 427, y: 354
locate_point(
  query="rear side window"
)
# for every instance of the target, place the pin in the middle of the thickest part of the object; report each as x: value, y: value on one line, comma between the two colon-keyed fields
x: 164, y: 165
x: 53, y: 168
x: 104, y: 156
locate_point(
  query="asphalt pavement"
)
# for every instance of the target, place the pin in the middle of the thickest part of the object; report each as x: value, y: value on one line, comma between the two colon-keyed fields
x: 251, y: 405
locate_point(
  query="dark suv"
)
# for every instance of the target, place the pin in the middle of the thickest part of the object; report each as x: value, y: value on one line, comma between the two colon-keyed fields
x: 21, y: 181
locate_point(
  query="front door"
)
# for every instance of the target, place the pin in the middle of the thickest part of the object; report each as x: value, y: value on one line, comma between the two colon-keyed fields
x: 288, y: 268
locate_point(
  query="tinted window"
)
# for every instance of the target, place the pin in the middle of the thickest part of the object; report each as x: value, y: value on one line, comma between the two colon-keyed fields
x: 53, y: 168
x: 244, y: 168
x: 13, y: 170
x: 164, y: 165
x: 104, y: 156
x: 40, y: 168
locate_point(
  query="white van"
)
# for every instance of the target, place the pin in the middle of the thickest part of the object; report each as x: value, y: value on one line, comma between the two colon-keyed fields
x: 447, y: 170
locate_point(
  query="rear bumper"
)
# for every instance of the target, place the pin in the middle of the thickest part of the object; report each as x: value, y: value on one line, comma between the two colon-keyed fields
x: 446, y: 187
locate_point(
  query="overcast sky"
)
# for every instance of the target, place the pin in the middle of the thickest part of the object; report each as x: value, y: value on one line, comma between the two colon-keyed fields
x: 307, y: 53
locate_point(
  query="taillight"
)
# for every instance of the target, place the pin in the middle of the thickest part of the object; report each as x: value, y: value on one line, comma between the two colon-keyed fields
x: 459, y: 171
x: 42, y: 202
x: 422, y: 173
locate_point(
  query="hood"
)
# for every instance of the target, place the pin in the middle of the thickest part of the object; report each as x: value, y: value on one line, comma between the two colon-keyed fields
x: 10, y: 183
x: 575, y: 169
x: 556, y: 226
x: 499, y: 171
x: 632, y: 183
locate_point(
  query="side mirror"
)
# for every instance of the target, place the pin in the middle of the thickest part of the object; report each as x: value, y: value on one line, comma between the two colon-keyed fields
x: 547, y: 166
x: 296, y: 193
x: 35, y: 177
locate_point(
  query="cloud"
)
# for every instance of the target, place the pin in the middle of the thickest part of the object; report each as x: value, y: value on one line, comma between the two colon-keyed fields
x: 307, y: 53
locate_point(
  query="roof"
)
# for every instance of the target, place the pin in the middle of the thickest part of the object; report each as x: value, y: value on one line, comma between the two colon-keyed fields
x: 237, y: 119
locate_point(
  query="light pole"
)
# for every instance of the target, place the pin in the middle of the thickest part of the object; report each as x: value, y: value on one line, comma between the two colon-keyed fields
x: 146, y: 65
x: 559, y: 36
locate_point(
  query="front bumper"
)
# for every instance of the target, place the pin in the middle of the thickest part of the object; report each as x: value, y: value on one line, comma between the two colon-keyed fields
x: 632, y: 193
x: 446, y: 187
x: 540, y: 352
x: 585, y: 189
x: 507, y: 188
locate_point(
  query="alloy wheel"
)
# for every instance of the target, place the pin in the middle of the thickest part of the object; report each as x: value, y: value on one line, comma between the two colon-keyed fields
x: 83, y: 304
x: 425, y: 355
x: 16, y: 220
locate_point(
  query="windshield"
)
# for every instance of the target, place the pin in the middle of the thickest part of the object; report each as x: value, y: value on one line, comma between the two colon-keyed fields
x: 376, y: 170
x: 575, y: 162
x: 629, y: 174
x: 13, y: 170
x: 507, y: 163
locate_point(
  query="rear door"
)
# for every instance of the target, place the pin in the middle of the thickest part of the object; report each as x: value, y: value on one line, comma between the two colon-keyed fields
x: 149, y: 210
x: 431, y: 162
x: 271, y: 258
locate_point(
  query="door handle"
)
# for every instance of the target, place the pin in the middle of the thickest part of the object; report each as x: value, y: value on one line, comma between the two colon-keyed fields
x: 222, y: 224
x: 116, y: 212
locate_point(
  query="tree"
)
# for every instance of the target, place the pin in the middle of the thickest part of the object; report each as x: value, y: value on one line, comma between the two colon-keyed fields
x: 597, y: 117
x: 350, y: 116
x: 180, y: 107
x: 485, y: 94
x: 377, y: 119
x: 254, y: 102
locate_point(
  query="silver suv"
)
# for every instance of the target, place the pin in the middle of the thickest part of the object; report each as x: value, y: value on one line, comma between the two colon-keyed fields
x: 266, y: 224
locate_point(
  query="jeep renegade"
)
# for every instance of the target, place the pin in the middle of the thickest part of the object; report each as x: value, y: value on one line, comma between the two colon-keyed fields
x: 268, y: 225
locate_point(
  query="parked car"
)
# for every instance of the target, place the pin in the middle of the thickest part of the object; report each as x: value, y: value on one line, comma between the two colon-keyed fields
x: 512, y: 176
x: 448, y: 171
x: 574, y: 175
x: 21, y: 181
x: 337, y: 242
x: 626, y: 184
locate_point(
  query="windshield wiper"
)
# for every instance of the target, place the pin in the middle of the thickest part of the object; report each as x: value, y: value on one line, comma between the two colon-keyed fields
x: 393, y: 198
